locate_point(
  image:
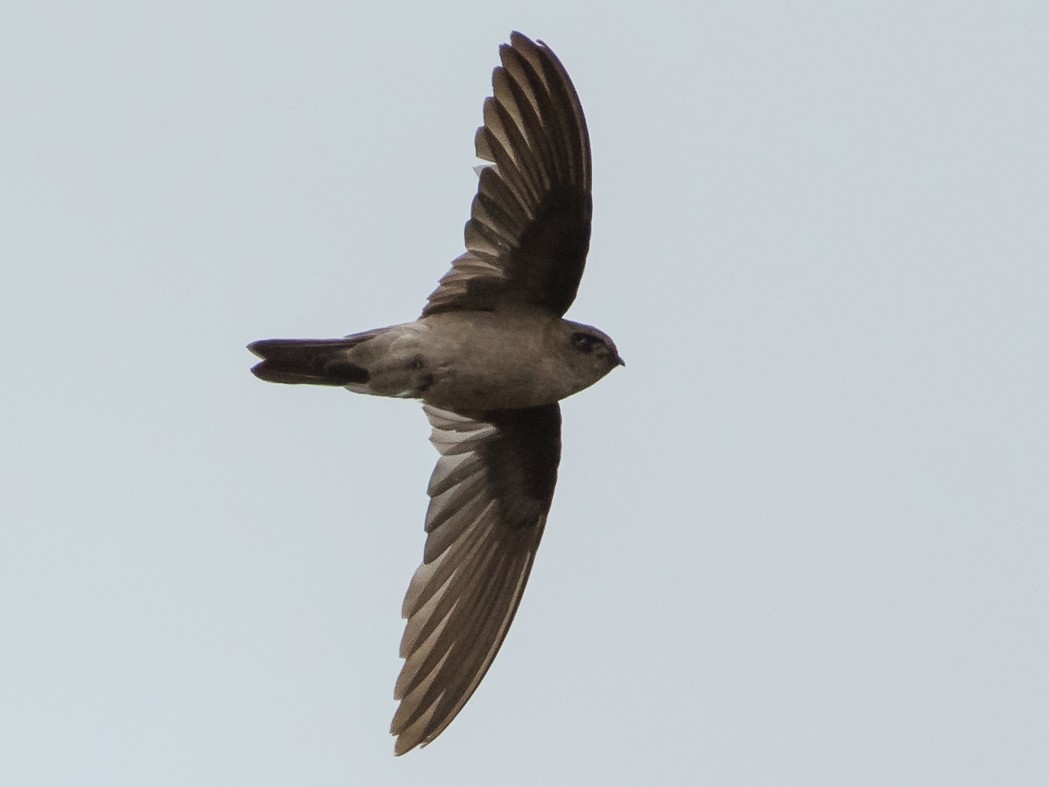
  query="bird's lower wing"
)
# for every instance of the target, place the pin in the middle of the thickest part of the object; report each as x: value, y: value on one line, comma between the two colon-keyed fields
x: 490, y: 494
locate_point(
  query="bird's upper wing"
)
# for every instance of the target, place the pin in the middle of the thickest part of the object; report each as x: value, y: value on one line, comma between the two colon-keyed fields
x: 529, y: 227
x: 490, y: 494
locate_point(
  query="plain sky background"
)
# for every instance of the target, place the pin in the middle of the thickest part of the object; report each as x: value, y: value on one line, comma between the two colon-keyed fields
x: 800, y: 539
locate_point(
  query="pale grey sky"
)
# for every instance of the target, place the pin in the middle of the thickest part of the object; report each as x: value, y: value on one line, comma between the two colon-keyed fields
x: 800, y: 539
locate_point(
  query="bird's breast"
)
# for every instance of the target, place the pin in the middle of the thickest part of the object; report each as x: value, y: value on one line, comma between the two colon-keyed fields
x: 490, y: 361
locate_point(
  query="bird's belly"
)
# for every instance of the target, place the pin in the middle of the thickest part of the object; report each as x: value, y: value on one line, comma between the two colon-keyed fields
x: 481, y: 380
x: 464, y: 362
x: 493, y: 366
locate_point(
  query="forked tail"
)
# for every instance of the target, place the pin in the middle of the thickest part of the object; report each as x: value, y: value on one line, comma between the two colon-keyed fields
x: 310, y: 361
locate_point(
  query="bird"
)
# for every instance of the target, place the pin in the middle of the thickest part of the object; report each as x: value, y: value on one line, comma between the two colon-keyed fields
x: 490, y: 357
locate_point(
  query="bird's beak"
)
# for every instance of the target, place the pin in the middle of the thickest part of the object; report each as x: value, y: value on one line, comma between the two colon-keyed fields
x: 620, y: 361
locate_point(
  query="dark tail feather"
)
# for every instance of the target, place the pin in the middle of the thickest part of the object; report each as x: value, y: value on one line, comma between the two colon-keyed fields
x: 312, y: 361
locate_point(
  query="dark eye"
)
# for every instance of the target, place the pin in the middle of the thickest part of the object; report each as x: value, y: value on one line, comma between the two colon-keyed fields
x: 584, y: 342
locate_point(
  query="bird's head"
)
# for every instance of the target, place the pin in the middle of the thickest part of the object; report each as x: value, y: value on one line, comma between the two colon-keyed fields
x: 591, y: 353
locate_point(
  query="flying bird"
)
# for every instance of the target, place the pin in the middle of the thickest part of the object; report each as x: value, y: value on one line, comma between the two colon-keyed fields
x: 490, y: 357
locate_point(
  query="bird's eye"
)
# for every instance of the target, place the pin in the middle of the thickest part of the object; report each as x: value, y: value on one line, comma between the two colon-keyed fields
x: 584, y: 342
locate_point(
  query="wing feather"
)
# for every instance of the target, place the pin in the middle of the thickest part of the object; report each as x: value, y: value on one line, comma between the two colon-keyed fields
x: 490, y: 494
x: 530, y: 220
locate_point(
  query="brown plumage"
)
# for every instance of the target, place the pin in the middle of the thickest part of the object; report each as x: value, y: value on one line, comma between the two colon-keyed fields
x: 490, y: 357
